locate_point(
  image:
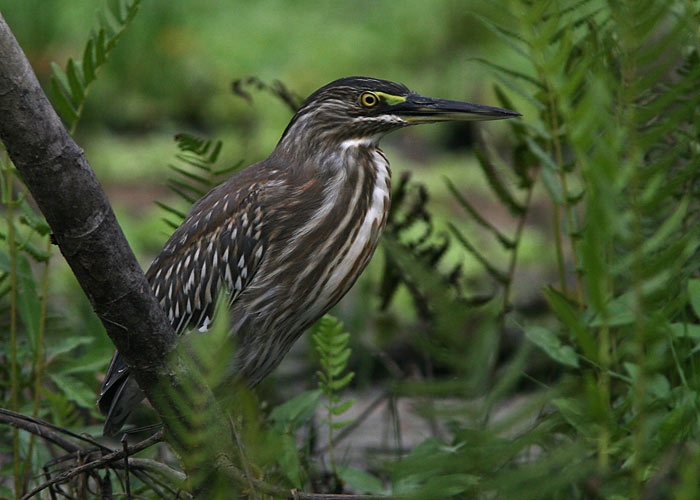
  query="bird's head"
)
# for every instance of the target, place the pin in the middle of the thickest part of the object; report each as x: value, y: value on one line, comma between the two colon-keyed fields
x: 367, y: 108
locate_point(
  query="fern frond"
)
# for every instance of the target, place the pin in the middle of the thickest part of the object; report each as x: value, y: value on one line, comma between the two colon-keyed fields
x: 196, y: 173
x: 498, y: 187
x: 495, y: 273
x: 410, y: 225
x: 477, y: 217
x: 70, y: 88
x: 331, y: 347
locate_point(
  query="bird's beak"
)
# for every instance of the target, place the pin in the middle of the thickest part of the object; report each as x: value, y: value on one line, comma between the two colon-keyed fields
x: 419, y: 109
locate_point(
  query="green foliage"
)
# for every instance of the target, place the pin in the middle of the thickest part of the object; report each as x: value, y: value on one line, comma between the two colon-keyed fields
x: 612, y: 140
x: 46, y: 368
x: 286, y: 419
x: 70, y: 88
x: 331, y: 346
x: 196, y: 173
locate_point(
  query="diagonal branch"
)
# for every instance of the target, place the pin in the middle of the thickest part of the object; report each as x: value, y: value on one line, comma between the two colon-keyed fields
x: 56, y: 172
x: 67, y: 192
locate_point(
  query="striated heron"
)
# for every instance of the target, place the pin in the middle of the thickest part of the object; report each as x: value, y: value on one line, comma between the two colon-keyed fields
x: 287, y: 237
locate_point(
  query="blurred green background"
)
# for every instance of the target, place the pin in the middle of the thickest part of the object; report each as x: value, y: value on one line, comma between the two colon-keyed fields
x: 172, y: 71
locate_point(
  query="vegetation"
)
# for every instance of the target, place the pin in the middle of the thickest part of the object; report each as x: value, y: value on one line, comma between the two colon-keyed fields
x: 550, y: 357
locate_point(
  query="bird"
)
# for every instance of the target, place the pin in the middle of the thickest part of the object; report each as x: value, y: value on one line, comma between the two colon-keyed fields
x: 286, y: 238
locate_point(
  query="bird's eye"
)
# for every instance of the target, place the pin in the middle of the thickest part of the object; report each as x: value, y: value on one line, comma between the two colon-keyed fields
x: 369, y: 100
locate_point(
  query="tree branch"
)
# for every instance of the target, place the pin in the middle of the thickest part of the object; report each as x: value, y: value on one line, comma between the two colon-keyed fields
x: 65, y: 188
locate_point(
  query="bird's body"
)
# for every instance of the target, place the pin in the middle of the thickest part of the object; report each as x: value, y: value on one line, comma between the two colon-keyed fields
x: 287, y: 237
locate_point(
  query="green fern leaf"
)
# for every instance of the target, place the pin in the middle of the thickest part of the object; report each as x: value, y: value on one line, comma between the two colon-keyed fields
x: 77, y: 87
x: 514, y: 74
x: 497, y: 186
x: 71, y: 90
x: 89, y: 61
x: 62, y: 104
x: 483, y: 260
x: 477, y: 217
x: 511, y: 38
x: 109, y: 24
x: 101, y: 49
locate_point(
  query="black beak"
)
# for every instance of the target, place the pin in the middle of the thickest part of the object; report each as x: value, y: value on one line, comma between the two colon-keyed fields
x: 419, y: 109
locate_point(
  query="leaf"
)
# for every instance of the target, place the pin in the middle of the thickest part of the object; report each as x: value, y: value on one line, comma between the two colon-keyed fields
x: 632, y: 369
x: 82, y: 365
x: 477, y: 217
x: 499, y: 276
x: 288, y: 458
x: 497, y: 185
x: 685, y: 330
x: 338, y: 384
x: 619, y: 312
x: 449, y: 485
x: 110, y: 25
x: 573, y: 411
x: 75, y: 390
x: 553, y: 185
x: 120, y: 11
x: 677, y: 424
x: 75, y: 81
x: 342, y: 407
x: 571, y: 318
x: 70, y: 88
x: 174, y: 211
x: 66, y: 345
x: 520, y: 75
x: 190, y: 175
x: 297, y: 411
x: 89, y: 61
x: 63, y: 106
x: 5, y: 262
x: 61, y: 78
x: 339, y: 424
x: 694, y: 296
x: 100, y: 48
x: 658, y: 386
x: 33, y: 219
x: 550, y: 344
x: 667, y: 229
x: 361, y: 481
x: 514, y: 40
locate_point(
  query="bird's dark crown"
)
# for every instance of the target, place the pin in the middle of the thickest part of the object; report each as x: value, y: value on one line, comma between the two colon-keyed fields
x: 339, y: 103
x: 351, y: 87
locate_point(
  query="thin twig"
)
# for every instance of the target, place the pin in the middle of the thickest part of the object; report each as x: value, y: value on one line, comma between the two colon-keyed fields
x: 50, y: 432
x: 95, y: 464
x: 125, y: 449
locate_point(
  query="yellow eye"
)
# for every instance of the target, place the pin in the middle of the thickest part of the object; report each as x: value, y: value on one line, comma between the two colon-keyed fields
x: 369, y: 100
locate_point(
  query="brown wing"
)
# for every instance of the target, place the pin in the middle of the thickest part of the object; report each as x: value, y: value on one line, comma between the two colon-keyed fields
x: 218, y: 248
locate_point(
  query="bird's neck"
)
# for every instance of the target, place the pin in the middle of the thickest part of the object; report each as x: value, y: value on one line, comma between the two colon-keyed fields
x: 350, y: 212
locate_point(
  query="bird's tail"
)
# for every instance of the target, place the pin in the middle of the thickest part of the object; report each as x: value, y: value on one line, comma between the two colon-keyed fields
x: 118, y: 396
